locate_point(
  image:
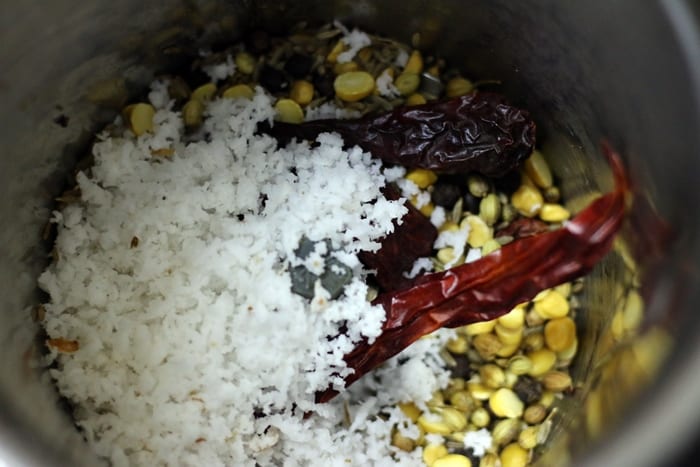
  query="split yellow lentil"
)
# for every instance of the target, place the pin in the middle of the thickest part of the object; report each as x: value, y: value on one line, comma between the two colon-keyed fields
x: 353, y: 85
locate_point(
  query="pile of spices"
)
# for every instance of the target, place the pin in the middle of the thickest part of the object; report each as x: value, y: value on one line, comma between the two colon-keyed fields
x: 298, y: 264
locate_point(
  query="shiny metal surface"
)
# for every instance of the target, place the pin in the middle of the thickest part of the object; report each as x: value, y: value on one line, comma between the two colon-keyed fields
x: 624, y: 70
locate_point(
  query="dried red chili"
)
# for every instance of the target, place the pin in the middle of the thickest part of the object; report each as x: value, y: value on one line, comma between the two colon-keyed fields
x: 478, y: 132
x: 411, y: 239
x: 493, y: 285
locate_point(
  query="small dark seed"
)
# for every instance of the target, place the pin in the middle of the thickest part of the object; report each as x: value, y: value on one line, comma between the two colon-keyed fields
x: 508, y: 183
x: 471, y: 203
x: 298, y: 65
x: 445, y: 194
x: 324, y: 85
x: 528, y: 389
x: 462, y: 369
x: 273, y: 79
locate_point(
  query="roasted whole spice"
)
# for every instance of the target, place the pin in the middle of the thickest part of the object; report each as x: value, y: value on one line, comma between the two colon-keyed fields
x: 491, y: 286
x: 477, y: 132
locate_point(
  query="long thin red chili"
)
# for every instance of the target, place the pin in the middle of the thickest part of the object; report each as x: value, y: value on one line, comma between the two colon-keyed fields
x: 491, y: 286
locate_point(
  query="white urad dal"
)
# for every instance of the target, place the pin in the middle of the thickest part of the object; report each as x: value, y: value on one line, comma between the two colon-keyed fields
x: 193, y: 349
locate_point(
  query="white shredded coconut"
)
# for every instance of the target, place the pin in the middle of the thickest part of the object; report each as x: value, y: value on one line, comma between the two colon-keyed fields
x: 174, y: 280
x: 220, y: 71
x: 455, y: 239
x: 356, y: 40
x: 478, y: 441
x: 419, y: 265
x: 329, y: 110
x: 385, y: 85
x: 393, y: 174
x: 438, y: 216
x: 159, y: 96
x: 473, y: 255
x: 401, y: 58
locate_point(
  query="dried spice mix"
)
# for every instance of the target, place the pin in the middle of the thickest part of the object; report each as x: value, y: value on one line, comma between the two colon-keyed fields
x: 311, y: 212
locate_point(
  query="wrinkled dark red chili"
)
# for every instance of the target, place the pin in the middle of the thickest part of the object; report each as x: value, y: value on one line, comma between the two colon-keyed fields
x: 478, y: 132
x: 411, y: 239
x: 493, y: 285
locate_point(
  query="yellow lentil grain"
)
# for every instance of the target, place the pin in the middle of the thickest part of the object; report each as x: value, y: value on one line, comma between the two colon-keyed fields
x: 458, y: 87
x: 542, y: 361
x: 527, y: 439
x: 340, y: 68
x: 551, y: 212
x: 453, y: 460
x: 446, y: 255
x: 433, y: 424
x: 551, y: 304
x: 245, y: 63
x: 427, y: 209
x: 436, y: 400
x: 559, y: 333
x: 490, y: 246
x: 568, y: 353
x: 547, y: 399
x: 433, y: 452
x: 508, y: 349
x: 458, y: 345
x: 537, y: 169
x: 415, y: 99
x: 514, y: 319
x: 514, y: 456
x: 337, y: 49
x: 353, y: 85
x: 289, y: 111
x: 423, y: 178
x: 239, y: 91
x: 302, y: 92
x: 141, y: 118
x: 509, y: 336
x: 480, y: 417
x: 479, y: 328
x: 556, y: 381
x: 479, y: 392
x: 192, y: 113
x: 505, y: 403
x: 487, y: 345
x: 407, y: 83
x: 449, y: 226
x: 462, y: 401
x: 479, y: 231
x: 510, y: 379
x: 414, y: 64
x: 492, y: 375
x: 527, y: 200
x: 519, y: 365
x: 410, y: 410
x: 204, y: 92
